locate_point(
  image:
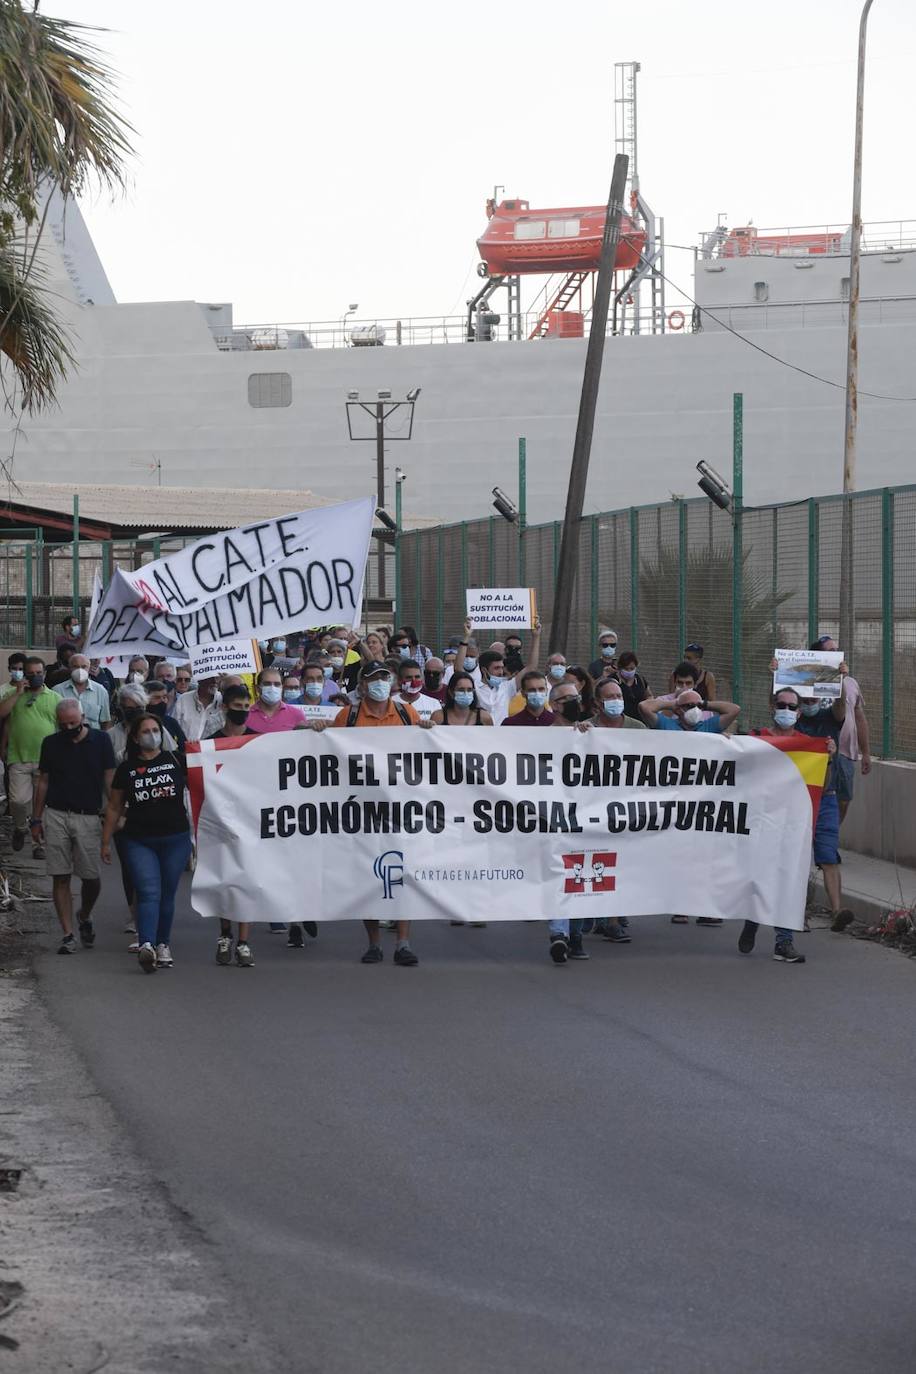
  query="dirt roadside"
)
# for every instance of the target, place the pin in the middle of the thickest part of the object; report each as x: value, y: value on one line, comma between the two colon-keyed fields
x: 98, y: 1269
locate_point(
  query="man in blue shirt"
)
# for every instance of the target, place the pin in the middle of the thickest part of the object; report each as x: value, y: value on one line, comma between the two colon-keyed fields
x: 687, y: 713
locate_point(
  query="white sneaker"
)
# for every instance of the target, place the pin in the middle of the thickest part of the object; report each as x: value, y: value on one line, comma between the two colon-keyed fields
x: 146, y: 957
x: 224, y: 950
x: 164, y: 956
x: 243, y: 956
x: 132, y: 949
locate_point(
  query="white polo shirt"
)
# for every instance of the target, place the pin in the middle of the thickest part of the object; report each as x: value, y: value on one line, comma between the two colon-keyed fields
x: 495, y: 696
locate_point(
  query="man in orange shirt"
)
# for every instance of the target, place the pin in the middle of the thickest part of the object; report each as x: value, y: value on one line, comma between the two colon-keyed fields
x: 376, y: 708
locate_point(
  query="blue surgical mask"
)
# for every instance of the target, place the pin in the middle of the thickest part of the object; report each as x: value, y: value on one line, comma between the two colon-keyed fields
x: 470, y: 664
x: 313, y: 690
x: 262, y: 644
x: 293, y: 697
x: 379, y: 689
x: 328, y: 670
x: 784, y: 715
x: 608, y: 650
x: 535, y: 700
x: 612, y: 707
x: 271, y: 693
x: 404, y: 651
x: 810, y: 708
x: 558, y: 671
x: 464, y: 699
x: 279, y: 646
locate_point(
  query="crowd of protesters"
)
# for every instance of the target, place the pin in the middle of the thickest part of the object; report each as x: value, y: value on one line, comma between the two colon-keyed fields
x: 94, y: 762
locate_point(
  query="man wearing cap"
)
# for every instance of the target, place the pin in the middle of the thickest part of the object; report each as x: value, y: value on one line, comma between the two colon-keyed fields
x: 854, y: 741
x: 376, y: 708
x: 607, y: 654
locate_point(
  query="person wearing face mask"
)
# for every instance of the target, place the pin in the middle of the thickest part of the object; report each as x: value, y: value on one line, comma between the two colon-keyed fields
x: 137, y: 670
x: 199, y: 711
x: 461, y: 706
x: 344, y: 674
x: 74, y: 778
x: 565, y: 933
x: 433, y: 679
x: 496, y: 687
x: 157, y: 703
x: 292, y: 690
x: 535, y: 691
x: 270, y: 713
x: 610, y: 708
x: 565, y: 701
x: 607, y: 651
x: 705, y: 677
x: 410, y: 689
x: 376, y: 708
x: 92, y: 697
x: 633, y: 685
x: 167, y: 672
x: 72, y: 633
x: 685, y: 712
x: 786, y: 710
x: 586, y: 688
x: 31, y: 709
x: 420, y: 653
x: 236, y: 706
x: 513, y: 654
x: 59, y: 670
x: 148, y: 789
x: 826, y: 721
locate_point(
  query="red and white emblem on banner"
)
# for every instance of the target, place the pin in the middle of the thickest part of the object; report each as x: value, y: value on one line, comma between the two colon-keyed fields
x: 588, y: 873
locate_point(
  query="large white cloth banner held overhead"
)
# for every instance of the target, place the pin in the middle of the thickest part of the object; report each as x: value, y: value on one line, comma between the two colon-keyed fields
x: 289, y: 573
x: 412, y: 824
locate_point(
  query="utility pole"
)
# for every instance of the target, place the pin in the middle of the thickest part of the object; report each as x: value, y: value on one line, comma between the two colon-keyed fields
x: 380, y: 411
x: 591, y: 379
x: 852, y: 353
x: 737, y: 541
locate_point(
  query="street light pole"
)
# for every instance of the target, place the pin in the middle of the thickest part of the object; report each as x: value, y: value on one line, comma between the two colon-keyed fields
x: 852, y: 350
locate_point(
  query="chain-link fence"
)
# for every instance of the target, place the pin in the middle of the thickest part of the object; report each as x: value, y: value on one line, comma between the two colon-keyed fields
x: 663, y: 576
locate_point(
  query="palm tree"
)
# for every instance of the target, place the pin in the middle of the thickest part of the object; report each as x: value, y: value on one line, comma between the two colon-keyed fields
x: 59, y: 130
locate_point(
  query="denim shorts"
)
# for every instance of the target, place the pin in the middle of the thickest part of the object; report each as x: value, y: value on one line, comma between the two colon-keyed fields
x: 845, y: 775
x: 827, y: 831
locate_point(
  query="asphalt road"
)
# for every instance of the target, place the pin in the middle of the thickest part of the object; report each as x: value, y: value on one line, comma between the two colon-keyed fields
x: 668, y: 1160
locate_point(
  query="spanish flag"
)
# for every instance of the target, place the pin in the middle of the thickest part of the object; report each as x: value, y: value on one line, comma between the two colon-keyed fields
x: 810, y: 757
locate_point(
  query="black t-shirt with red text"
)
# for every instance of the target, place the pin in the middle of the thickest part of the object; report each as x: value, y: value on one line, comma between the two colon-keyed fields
x: 154, y: 792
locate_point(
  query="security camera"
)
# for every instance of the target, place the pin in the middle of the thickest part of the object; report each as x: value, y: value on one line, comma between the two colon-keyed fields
x: 505, y: 507
x: 714, y: 486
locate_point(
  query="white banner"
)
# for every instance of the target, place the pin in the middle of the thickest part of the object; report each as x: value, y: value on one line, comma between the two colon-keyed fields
x: 495, y: 608
x: 810, y: 672
x: 296, y: 572
x: 230, y: 656
x: 443, y: 823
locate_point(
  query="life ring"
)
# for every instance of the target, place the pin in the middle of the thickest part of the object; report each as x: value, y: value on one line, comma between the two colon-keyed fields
x: 676, y: 320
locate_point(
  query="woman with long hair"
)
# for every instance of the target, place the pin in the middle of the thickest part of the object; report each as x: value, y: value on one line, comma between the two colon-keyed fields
x: 461, y: 706
x: 149, y: 789
x: 586, y: 684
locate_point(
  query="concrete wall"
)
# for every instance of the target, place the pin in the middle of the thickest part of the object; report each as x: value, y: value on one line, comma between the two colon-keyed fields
x: 881, y: 821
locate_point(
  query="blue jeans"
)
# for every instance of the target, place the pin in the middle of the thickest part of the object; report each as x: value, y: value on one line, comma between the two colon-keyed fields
x: 156, y: 864
x: 569, y: 927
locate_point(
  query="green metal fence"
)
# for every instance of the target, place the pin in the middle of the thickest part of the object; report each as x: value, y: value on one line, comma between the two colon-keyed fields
x: 664, y: 575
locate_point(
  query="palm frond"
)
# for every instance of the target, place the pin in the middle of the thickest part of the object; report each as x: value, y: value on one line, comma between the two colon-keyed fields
x: 33, y: 339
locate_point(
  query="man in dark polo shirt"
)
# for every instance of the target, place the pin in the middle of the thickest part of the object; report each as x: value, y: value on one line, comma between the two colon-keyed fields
x: 536, y: 711
x: 74, y: 777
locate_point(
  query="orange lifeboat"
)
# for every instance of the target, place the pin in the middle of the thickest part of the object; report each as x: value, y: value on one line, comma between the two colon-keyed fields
x: 520, y: 240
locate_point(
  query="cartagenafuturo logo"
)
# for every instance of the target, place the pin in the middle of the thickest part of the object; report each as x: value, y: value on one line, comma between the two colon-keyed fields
x: 389, y: 869
x: 587, y: 873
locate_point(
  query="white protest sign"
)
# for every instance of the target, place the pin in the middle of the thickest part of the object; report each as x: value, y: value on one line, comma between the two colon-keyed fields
x: 263, y: 579
x: 810, y: 672
x: 493, y: 608
x: 327, y: 712
x: 230, y: 656
x: 415, y: 824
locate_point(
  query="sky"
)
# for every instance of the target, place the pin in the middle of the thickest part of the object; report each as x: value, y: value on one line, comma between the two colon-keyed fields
x: 294, y: 159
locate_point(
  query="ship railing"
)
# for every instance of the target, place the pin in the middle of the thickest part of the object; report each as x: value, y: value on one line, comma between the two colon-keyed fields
x: 387, y: 333
x: 878, y: 236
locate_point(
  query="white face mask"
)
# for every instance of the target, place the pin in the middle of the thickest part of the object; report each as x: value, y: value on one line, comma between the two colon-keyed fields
x: 271, y: 693
x: 16, y: 675
x: 693, y: 715
x: 313, y: 690
x: 380, y: 689
x: 612, y: 707
x: 558, y: 671
x: 608, y: 650
x: 784, y: 715
x: 79, y: 675
x: 150, y: 739
x: 337, y: 661
x: 136, y: 677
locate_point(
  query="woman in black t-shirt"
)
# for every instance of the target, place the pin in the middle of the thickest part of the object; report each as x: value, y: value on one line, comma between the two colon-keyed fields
x: 156, y: 838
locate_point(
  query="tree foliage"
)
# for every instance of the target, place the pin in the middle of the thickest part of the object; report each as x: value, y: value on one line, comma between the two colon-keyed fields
x: 59, y: 130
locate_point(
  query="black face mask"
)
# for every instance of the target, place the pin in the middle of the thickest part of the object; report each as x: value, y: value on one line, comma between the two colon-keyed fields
x: 132, y: 712
x: 571, y: 710
x: 513, y: 660
x: 71, y: 731
x: 159, y: 709
x: 35, y: 680
x: 432, y: 680
x: 237, y: 715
